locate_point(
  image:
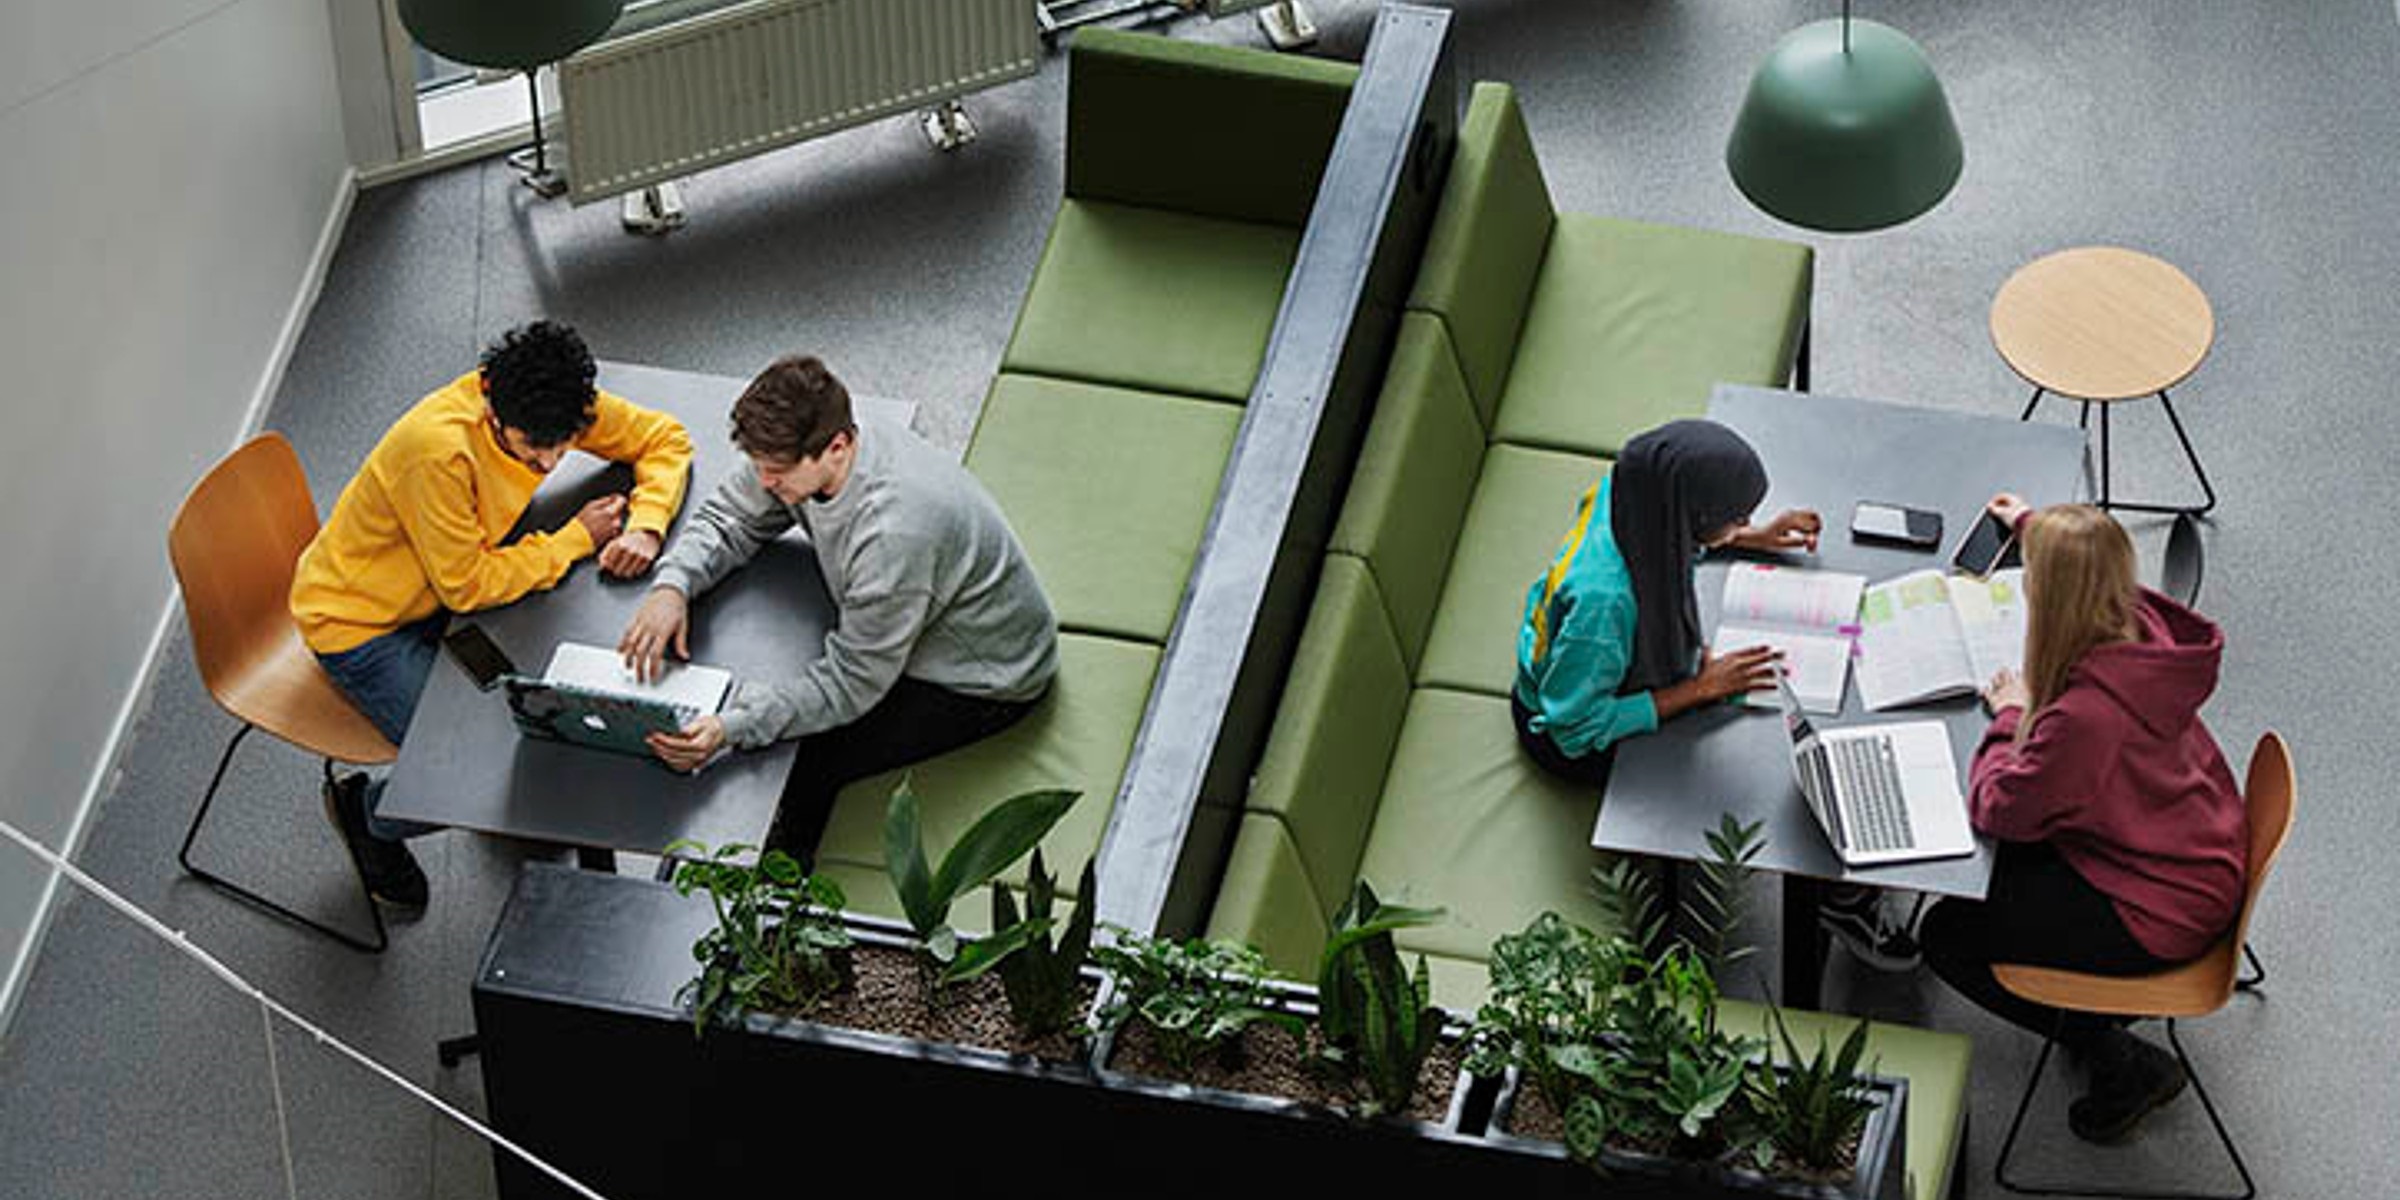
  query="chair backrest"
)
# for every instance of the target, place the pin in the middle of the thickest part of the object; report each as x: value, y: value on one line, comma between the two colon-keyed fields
x: 2179, y: 576
x: 234, y: 545
x: 2269, y: 794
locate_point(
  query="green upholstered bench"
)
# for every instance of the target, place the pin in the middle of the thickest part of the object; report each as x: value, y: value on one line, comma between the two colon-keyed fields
x: 1107, y: 432
x: 1535, y: 344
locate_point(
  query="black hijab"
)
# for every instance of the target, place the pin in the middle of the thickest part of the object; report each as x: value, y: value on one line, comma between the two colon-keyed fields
x: 1672, y: 486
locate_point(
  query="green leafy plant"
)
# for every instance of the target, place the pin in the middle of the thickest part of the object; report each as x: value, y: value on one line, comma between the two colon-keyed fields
x: 998, y: 838
x: 1377, y: 1020
x: 1042, y: 979
x: 1551, y: 989
x: 778, y: 940
x: 1675, y: 1069
x: 1629, y: 894
x: 1813, y: 1109
x: 1196, y: 998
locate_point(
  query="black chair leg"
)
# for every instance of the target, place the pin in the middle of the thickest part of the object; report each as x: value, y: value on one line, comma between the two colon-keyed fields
x: 222, y: 884
x: 2000, y: 1168
x: 453, y: 1051
x: 2008, y: 1144
x: 2257, y: 977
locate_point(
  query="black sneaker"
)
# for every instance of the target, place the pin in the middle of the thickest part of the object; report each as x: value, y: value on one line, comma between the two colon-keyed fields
x: 2130, y: 1077
x: 1856, y: 917
x: 391, y: 872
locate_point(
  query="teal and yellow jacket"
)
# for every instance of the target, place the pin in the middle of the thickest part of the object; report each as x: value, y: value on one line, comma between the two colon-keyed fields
x: 1578, y: 638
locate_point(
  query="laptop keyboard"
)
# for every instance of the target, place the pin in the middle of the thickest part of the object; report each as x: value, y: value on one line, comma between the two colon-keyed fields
x: 1877, y: 814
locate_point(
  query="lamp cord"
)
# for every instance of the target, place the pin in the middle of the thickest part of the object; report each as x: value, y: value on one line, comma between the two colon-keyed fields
x: 1845, y: 28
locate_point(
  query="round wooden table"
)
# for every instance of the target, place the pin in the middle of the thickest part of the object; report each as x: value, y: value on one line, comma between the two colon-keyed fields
x: 2103, y: 324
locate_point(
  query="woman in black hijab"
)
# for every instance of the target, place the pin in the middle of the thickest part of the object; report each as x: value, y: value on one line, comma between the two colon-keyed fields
x: 1611, y: 643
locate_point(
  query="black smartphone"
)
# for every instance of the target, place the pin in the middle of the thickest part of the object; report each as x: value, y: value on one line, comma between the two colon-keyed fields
x: 474, y: 650
x: 1876, y: 521
x: 1989, y: 546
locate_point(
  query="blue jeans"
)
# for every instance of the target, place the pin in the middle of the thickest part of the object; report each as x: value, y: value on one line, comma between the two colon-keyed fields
x: 384, y: 677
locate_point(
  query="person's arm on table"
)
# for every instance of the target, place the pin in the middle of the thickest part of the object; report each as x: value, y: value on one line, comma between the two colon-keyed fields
x: 435, y: 505
x: 725, y: 532
x: 660, y: 452
x: 1721, y: 677
x: 1792, y: 529
x: 880, y: 620
x: 2027, y: 791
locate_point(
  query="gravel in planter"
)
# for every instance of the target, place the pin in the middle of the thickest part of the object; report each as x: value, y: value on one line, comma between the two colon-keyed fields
x: 891, y: 992
x: 1272, y: 1063
x: 1530, y: 1116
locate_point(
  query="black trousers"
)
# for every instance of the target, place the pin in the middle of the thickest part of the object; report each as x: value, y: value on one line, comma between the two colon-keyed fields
x: 1590, y: 770
x: 2038, y: 912
x: 913, y: 722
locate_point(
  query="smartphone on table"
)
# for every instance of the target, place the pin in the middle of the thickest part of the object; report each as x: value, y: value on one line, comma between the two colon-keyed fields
x: 1876, y: 521
x: 474, y: 650
x: 1990, y: 545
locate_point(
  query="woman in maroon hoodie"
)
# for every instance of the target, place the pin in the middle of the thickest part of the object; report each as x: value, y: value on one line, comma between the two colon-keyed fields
x: 2123, y: 838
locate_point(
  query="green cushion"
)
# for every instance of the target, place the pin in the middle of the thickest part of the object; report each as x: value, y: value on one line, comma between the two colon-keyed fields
x: 1109, y: 490
x: 1408, y: 493
x: 1633, y: 324
x: 1224, y: 131
x: 1469, y: 823
x: 1266, y: 902
x: 1077, y: 738
x: 1934, y: 1064
x: 1148, y: 298
x: 1322, y: 771
x: 1486, y: 245
x: 1524, y: 503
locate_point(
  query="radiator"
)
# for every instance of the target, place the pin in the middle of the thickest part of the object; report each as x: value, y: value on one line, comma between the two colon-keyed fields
x: 750, y: 77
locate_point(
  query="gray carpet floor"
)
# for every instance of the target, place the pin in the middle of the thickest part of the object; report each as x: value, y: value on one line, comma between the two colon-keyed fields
x: 2250, y: 145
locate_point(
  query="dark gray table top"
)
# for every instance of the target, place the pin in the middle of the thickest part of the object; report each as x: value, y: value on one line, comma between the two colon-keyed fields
x: 463, y: 762
x: 1828, y: 453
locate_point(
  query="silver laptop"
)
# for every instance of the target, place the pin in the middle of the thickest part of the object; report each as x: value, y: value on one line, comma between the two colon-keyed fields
x: 1882, y: 793
x: 589, y: 697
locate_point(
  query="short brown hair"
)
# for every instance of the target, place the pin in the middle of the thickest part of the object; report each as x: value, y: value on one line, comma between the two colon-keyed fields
x: 793, y: 410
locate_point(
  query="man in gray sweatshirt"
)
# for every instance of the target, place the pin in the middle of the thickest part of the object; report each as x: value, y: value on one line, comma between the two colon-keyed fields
x: 942, y: 635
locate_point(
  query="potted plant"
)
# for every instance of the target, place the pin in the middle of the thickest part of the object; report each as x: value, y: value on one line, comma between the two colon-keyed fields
x: 1615, y: 1059
x: 1202, y: 1020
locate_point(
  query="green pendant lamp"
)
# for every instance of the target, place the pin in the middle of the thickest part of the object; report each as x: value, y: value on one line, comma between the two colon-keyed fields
x: 1845, y: 130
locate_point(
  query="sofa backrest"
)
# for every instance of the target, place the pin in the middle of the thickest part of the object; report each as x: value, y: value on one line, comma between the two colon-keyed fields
x: 1487, y: 243
x: 1415, y: 474
x: 1335, y: 729
x: 1221, y: 131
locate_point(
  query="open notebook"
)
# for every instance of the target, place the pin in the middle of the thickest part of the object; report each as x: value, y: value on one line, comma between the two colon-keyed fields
x: 1809, y: 615
x: 1926, y: 635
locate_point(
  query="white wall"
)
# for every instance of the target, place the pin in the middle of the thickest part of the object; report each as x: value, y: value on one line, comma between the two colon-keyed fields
x: 172, y: 168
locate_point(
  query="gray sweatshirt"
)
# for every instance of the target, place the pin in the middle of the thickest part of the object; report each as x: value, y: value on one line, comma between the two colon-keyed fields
x: 926, y: 578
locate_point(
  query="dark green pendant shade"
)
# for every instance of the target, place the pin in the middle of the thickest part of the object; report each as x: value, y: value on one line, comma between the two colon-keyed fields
x: 514, y: 35
x: 1845, y: 134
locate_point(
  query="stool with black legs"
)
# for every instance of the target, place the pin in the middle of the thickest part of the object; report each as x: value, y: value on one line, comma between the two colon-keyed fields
x: 2105, y: 325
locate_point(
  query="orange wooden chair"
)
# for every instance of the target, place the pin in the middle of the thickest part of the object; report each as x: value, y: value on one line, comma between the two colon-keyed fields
x: 2193, y: 989
x: 235, y: 543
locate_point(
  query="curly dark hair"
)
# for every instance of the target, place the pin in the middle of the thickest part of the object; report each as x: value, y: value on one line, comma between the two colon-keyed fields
x: 538, y: 378
x: 793, y: 410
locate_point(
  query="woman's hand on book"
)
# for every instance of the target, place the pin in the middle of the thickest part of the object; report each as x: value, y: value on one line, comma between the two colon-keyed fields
x: 2006, y: 690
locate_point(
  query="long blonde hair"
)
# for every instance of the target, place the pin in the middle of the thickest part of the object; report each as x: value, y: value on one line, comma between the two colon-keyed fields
x: 2080, y: 592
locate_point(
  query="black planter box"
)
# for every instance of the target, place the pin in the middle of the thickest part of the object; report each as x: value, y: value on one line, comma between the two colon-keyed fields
x: 1545, y: 1167
x: 589, y: 1062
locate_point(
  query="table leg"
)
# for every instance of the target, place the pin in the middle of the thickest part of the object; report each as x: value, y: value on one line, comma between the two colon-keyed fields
x: 1803, y: 942
x: 2206, y: 490
x: 2104, y: 456
x: 596, y: 858
x: 2027, y: 415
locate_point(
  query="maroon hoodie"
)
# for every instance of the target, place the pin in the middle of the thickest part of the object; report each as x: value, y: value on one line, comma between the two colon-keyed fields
x: 2121, y: 777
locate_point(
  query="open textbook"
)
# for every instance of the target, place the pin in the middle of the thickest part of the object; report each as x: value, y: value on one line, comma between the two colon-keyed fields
x: 1809, y: 615
x: 1926, y: 635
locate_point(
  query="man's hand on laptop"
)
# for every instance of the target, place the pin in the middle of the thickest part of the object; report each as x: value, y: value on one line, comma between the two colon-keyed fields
x: 631, y: 554
x: 663, y: 620
x: 686, y: 751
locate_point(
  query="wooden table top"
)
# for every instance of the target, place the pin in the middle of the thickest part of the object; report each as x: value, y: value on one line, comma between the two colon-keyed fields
x: 2102, y: 323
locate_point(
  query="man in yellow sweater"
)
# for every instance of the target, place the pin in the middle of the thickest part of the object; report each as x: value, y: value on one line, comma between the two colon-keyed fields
x: 417, y: 536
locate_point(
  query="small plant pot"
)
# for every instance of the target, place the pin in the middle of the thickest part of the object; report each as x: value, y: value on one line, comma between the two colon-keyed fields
x: 1880, y: 1171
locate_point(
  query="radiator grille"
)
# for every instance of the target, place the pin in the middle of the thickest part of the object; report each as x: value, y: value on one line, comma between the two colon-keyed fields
x: 745, y: 79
